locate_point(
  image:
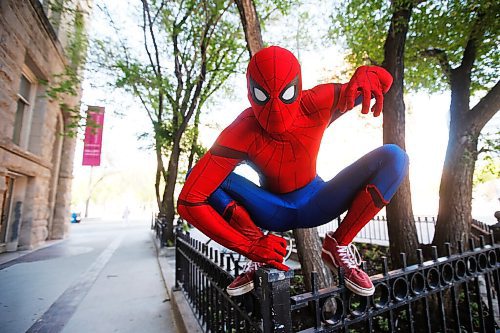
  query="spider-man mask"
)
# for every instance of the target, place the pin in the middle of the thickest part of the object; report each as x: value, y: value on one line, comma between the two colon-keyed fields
x: 274, y: 88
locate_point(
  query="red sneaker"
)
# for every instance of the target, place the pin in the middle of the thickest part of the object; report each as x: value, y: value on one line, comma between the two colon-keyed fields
x: 243, y: 283
x: 347, y: 257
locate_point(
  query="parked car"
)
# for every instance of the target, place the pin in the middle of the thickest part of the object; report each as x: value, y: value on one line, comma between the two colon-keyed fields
x: 75, y: 217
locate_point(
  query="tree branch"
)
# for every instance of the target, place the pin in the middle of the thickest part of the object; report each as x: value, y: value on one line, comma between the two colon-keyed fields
x: 177, y: 69
x: 146, y: 47
x: 211, y: 87
x: 189, y: 89
x: 442, y: 58
x: 158, y: 72
x: 373, y: 61
x: 487, y: 107
x: 199, y: 81
x: 148, y: 111
x: 251, y: 25
x: 214, y: 22
x: 158, y: 11
x: 475, y: 39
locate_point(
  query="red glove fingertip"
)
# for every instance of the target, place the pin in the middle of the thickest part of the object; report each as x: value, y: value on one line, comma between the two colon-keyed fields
x: 280, y: 266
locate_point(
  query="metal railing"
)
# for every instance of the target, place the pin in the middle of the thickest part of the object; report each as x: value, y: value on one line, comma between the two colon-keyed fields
x: 159, y: 225
x: 203, y: 272
x: 454, y: 293
x: 376, y: 232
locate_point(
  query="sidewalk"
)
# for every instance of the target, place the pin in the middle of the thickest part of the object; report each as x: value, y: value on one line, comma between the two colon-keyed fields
x: 105, y: 277
x: 185, y: 319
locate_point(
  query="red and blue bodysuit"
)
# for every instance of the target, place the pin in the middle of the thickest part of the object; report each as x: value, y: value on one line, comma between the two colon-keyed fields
x: 280, y: 136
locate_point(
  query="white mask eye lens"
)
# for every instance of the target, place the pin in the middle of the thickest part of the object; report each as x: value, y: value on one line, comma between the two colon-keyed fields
x: 259, y: 95
x: 289, y: 93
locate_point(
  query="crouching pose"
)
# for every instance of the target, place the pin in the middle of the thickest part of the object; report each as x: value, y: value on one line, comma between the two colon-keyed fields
x: 280, y: 135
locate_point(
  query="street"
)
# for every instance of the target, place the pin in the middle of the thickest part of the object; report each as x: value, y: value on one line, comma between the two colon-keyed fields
x: 104, y: 278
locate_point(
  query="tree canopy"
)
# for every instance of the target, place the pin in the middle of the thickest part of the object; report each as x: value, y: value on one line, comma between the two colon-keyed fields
x: 177, y: 37
x: 451, y: 46
x: 438, y: 31
x: 186, y: 51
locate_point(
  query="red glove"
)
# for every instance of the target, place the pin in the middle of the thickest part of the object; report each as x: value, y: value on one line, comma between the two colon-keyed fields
x: 269, y: 249
x: 238, y: 218
x: 368, y: 81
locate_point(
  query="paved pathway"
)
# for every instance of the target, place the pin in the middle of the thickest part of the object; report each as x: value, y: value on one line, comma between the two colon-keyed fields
x: 104, y: 278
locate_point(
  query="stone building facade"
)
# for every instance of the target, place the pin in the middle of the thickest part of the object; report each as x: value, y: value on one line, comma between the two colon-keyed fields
x: 36, y: 160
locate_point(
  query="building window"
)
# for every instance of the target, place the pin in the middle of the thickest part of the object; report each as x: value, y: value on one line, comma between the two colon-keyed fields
x: 25, y: 101
x: 53, y: 10
x: 18, y: 122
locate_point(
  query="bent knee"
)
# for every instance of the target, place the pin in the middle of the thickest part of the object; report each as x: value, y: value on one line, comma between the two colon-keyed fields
x: 394, y: 153
x: 395, y: 158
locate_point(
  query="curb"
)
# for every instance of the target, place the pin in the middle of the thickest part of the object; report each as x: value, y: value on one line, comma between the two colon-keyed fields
x: 184, y: 318
x: 6, y: 257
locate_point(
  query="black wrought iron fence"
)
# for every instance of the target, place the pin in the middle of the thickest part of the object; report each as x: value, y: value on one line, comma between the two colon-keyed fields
x: 376, y: 232
x: 454, y: 293
x: 203, y: 273
x: 159, y: 225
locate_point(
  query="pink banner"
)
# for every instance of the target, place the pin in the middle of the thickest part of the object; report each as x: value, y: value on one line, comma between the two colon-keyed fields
x: 93, y: 136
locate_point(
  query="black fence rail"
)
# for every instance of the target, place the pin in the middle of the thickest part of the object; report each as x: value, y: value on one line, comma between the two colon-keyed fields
x: 203, y: 273
x: 376, y: 232
x: 163, y: 229
x: 454, y: 293
x: 479, y: 229
x: 159, y: 225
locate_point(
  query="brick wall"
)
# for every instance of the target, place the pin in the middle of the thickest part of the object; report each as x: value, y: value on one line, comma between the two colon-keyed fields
x: 29, y: 44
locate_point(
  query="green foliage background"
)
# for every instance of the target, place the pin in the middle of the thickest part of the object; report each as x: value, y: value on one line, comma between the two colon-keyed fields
x: 442, y: 25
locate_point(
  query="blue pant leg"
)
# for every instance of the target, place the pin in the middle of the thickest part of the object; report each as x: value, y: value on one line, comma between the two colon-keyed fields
x: 267, y: 210
x: 393, y: 163
x: 219, y: 200
x: 384, y: 167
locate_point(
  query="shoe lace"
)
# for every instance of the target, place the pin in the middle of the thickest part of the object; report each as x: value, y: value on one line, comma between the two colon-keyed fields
x: 349, y: 255
x: 251, y: 266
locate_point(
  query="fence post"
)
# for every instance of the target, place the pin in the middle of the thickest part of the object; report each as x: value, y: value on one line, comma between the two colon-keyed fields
x: 178, y: 269
x: 275, y: 299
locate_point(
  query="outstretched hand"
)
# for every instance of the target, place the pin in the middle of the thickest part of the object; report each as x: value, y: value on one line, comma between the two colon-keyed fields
x: 367, y: 81
x: 269, y: 249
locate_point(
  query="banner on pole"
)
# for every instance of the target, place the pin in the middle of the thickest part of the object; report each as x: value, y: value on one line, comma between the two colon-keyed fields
x: 93, y: 136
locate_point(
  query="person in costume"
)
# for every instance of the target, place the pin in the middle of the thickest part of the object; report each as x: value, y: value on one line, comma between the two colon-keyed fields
x: 280, y: 136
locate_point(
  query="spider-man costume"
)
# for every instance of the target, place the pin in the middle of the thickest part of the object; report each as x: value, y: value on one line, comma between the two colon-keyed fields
x: 280, y: 135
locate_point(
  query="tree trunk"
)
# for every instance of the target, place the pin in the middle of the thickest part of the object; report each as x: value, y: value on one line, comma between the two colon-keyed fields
x: 168, y: 194
x: 455, y: 192
x: 308, y: 249
x: 400, y: 221
x: 158, y: 177
x: 307, y: 240
x: 194, y: 143
x: 251, y: 25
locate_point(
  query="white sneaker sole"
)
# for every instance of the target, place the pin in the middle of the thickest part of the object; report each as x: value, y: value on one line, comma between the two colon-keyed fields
x: 348, y: 283
x: 241, y: 290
